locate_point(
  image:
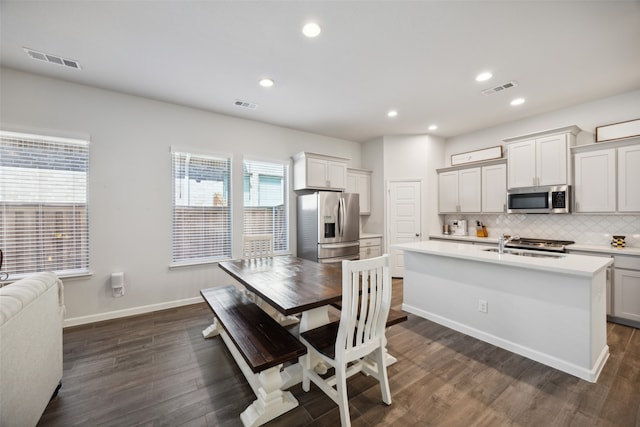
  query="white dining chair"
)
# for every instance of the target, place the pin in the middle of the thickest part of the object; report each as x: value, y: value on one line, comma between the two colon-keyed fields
x: 366, y: 300
x: 256, y: 246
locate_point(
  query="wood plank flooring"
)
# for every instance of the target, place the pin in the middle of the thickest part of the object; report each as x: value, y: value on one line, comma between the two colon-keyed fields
x: 157, y: 370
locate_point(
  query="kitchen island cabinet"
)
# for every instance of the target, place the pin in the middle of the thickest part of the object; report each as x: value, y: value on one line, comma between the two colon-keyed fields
x: 549, y: 309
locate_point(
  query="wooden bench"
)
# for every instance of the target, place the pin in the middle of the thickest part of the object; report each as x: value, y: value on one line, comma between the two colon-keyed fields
x: 260, y: 347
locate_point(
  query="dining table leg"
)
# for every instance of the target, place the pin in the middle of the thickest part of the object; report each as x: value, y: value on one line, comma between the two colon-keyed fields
x: 310, y: 319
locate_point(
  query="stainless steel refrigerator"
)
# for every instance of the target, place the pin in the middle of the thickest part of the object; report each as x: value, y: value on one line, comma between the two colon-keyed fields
x: 328, y: 226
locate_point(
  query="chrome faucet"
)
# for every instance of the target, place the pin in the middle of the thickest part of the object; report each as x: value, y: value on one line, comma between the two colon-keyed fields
x: 503, y: 240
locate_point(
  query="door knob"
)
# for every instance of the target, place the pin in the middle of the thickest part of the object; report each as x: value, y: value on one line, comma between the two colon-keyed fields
x: 417, y: 234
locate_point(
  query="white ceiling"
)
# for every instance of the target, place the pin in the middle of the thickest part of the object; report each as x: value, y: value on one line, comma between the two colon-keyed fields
x: 418, y: 57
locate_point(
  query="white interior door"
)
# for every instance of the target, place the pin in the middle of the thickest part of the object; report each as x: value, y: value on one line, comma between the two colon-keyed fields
x: 404, y: 219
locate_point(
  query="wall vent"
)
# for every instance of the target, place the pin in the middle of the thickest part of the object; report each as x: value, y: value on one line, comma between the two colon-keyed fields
x: 53, y: 59
x: 245, y: 104
x: 500, y: 88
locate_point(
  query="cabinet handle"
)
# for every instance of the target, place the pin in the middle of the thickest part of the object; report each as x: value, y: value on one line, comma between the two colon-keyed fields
x: 504, y: 207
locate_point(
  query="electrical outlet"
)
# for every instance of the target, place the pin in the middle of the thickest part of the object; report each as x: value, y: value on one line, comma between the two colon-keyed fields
x: 483, y: 306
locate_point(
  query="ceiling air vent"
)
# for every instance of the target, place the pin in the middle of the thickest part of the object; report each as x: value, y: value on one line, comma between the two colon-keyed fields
x: 500, y: 88
x: 245, y: 104
x: 54, y: 59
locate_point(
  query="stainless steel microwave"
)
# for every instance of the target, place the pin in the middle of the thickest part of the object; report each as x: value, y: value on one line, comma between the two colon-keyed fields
x: 547, y: 200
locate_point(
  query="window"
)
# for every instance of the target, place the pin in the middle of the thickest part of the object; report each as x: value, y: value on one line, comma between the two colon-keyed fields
x: 201, y: 208
x: 266, y: 202
x: 43, y: 204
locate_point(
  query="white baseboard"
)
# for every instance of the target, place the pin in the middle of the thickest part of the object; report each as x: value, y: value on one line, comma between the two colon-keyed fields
x: 110, y: 315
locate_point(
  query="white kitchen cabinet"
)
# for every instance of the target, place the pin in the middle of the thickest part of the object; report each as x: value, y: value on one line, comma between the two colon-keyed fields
x: 629, y: 178
x: 359, y: 181
x: 370, y: 247
x: 319, y: 172
x: 459, y: 191
x: 540, y: 158
x: 626, y: 288
x: 595, y: 181
x: 494, y: 188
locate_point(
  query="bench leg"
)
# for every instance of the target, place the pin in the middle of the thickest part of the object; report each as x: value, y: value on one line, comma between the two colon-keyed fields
x: 271, y: 401
x: 212, y: 330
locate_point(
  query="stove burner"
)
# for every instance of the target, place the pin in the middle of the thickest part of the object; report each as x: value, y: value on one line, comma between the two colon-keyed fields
x: 539, y: 244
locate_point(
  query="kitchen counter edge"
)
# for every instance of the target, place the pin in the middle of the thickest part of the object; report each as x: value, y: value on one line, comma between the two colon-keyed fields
x: 581, y: 265
x: 604, y: 249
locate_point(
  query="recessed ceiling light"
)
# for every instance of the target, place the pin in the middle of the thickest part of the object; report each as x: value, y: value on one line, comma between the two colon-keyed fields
x: 266, y: 82
x: 311, y: 29
x: 483, y: 77
x: 517, y: 101
x: 392, y: 113
x: 433, y: 127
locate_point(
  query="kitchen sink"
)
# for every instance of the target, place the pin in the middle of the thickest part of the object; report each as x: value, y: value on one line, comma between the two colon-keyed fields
x: 523, y: 253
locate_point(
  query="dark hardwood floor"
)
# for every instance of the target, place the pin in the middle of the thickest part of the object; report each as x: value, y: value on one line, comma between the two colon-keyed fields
x: 157, y: 370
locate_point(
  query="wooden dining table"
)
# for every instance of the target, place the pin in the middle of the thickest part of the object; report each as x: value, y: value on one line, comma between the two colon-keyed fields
x: 291, y: 285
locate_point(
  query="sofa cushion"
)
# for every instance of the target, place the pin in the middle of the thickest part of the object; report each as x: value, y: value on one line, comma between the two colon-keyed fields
x: 19, y: 295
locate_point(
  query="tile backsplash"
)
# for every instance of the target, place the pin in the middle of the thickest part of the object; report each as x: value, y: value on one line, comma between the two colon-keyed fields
x: 582, y: 229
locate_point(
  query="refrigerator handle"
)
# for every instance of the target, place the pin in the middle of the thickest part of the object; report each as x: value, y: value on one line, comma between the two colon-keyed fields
x: 341, y: 215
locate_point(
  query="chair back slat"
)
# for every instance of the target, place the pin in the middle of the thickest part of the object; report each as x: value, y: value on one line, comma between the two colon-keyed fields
x: 366, y: 300
x: 257, y: 246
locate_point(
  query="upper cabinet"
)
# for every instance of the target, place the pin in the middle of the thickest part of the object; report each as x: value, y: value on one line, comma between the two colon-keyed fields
x: 319, y: 172
x: 359, y: 182
x: 479, y: 189
x: 629, y: 179
x: 459, y: 191
x: 606, y: 177
x: 540, y: 158
x: 595, y: 181
x: 494, y: 188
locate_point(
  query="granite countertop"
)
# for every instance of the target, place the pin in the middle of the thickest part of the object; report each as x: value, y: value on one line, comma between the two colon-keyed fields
x: 581, y: 265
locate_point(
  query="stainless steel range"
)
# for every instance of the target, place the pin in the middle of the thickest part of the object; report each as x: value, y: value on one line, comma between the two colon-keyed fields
x: 538, y: 244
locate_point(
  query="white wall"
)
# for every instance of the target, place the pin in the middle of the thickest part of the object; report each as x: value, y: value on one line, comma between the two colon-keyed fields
x: 416, y: 157
x: 586, y: 116
x: 130, y: 182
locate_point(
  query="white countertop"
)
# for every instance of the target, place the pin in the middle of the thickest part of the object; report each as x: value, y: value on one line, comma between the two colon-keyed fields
x: 468, y: 238
x: 369, y: 235
x: 604, y: 249
x: 582, y: 265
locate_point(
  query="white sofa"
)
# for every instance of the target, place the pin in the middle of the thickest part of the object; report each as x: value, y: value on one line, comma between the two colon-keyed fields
x: 31, y: 312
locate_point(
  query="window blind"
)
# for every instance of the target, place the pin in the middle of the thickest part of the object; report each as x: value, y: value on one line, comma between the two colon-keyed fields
x: 266, y: 201
x: 201, y: 208
x: 43, y: 204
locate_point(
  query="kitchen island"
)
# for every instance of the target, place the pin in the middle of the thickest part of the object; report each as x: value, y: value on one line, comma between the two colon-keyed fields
x: 551, y: 309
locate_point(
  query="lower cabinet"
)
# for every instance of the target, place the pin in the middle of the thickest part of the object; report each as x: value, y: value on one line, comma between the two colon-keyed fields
x: 626, y: 288
x: 370, y: 247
